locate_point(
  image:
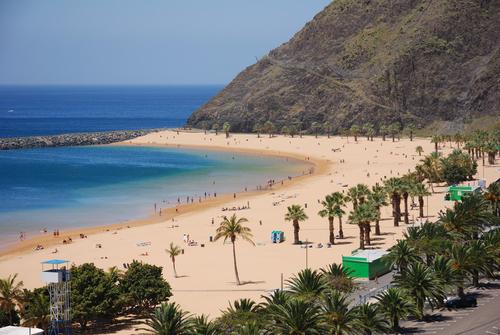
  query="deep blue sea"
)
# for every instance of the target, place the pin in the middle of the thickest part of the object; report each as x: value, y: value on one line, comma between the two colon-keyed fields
x: 48, y: 110
x: 58, y: 188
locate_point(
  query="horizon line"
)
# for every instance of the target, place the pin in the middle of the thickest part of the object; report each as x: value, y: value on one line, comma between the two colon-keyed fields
x: 110, y: 84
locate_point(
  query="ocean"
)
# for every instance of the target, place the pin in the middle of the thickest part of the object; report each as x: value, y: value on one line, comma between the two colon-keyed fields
x: 49, y: 110
x: 71, y: 187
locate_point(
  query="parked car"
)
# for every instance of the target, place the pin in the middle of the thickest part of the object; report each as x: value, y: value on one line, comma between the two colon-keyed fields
x: 464, y: 302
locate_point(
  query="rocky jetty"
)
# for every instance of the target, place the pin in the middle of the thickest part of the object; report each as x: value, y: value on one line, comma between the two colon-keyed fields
x: 71, y: 139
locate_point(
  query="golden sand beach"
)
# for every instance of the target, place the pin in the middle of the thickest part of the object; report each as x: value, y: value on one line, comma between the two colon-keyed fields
x: 206, y: 279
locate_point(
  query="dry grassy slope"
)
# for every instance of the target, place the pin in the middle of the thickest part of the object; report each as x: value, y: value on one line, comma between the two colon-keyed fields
x: 379, y: 61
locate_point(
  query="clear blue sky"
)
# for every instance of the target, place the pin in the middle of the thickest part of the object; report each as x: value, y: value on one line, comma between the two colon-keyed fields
x: 141, y: 41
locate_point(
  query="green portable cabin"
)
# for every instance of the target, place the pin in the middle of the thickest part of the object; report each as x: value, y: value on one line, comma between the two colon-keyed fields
x: 366, y: 264
x: 456, y: 192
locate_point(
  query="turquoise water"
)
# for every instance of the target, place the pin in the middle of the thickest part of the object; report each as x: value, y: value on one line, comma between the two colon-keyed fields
x: 57, y: 188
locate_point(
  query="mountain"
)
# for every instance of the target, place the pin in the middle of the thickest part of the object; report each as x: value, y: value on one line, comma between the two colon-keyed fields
x: 372, y: 61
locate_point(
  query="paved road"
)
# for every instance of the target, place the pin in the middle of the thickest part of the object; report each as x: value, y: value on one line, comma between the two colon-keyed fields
x: 483, y: 319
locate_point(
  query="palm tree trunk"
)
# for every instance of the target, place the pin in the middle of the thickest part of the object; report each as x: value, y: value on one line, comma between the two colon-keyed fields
x: 377, y: 223
x: 395, y: 323
x: 460, y: 291
x: 421, y: 206
x: 367, y: 234
x: 436, y: 146
x: 173, y: 264
x: 296, y: 232
x: 420, y: 309
x: 361, y: 238
x: 475, y: 278
x: 383, y: 137
x: 398, y: 207
x: 341, y: 232
x: 330, y: 227
x: 405, y: 198
x: 235, y: 266
x: 395, y: 209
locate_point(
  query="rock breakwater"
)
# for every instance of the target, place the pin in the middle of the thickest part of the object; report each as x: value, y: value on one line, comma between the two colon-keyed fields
x: 71, y: 139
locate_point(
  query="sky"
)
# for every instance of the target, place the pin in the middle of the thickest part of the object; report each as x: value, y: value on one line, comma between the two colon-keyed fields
x: 141, y: 42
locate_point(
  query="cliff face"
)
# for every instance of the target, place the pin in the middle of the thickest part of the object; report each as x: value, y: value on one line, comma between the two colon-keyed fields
x: 377, y: 61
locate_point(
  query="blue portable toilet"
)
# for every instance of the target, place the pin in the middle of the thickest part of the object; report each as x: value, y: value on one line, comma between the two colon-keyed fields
x: 277, y: 236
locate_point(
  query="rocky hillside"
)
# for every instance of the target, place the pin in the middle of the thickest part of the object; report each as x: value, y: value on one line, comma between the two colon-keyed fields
x: 377, y: 61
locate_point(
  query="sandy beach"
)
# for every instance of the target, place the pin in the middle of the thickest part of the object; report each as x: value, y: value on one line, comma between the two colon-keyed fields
x: 206, y: 281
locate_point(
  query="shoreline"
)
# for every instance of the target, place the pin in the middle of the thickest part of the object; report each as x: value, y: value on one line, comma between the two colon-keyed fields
x: 206, y: 281
x: 47, y: 240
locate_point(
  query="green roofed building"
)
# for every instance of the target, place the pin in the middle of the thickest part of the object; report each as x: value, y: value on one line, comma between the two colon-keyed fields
x: 456, y: 192
x: 366, y: 264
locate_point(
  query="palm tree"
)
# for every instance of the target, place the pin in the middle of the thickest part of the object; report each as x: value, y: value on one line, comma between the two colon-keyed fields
x: 173, y: 251
x: 201, y: 325
x: 250, y: 328
x: 401, y: 255
x: 315, y: 128
x: 493, y: 196
x: 454, y: 222
x: 338, y: 211
x: 296, y: 317
x: 395, y: 305
x: 232, y: 228
x: 169, y: 319
x: 393, y: 187
x: 406, y: 187
x: 378, y: 197
x: 383, y: 130
x: 429, y: 239
x: 215, y: 127
x: 329, y: 206
x: 394, y: 130
x: 357, y: 194
x: 411, y: 129
x: 354, y: 132
x: 421, y: 283
x: 11, y: 294
x: 295, y: 214
x: 419, y: 150
x: 307, y: 285
x: 269, y: 128
x: 370, y: 319
x: 277, y: 297
x: 338, y: 278
x: 447, y: 273
x: 436, y: 139
x: 420, y: 191
x: 369, y: 131
x: 431, y: 169
x: 362, y: 216
x: 35, y: 309
x: 339, y: 319
x: 225, y: 127
x: 238, y: 314
x: 257, y: 128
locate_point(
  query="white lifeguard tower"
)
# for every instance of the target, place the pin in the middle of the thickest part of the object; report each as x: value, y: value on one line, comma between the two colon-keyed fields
x: 56, y: 275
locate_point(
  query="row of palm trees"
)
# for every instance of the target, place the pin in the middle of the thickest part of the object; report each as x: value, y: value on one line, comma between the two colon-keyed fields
x: 479, y: 144
x: 314, y: 302
x: 431, y: 261
x: 366, y: 209
x: 366, y: 206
